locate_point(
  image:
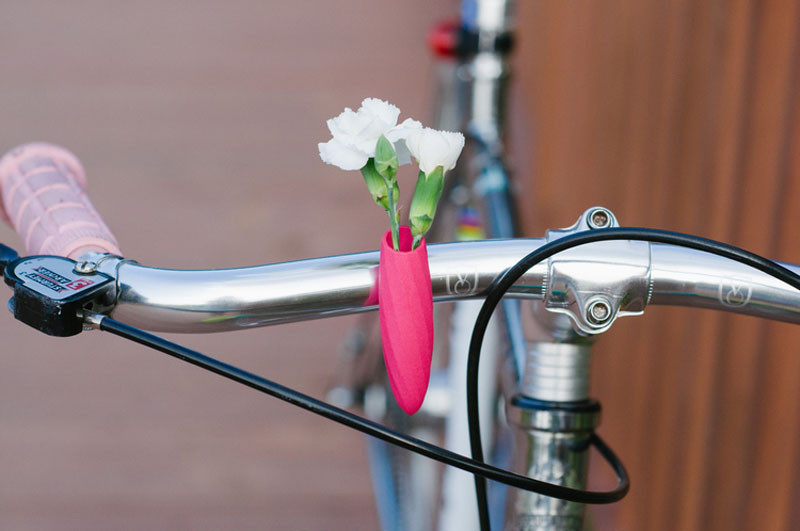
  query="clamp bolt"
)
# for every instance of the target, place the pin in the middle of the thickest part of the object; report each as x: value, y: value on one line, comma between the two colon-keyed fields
x: 598, y: 312
x: 599, y: 218
x: 86, y: 267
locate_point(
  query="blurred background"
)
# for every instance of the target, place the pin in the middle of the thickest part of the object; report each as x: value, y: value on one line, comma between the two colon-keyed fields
x: 197, y: 123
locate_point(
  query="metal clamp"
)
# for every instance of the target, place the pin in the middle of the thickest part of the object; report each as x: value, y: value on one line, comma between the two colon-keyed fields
x: 596, y: 283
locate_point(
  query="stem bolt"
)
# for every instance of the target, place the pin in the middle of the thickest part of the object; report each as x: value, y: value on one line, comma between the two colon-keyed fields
x: 599, y: 312
x: 599, y: 218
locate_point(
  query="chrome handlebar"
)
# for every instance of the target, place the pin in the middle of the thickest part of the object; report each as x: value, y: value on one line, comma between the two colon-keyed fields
x: 593, y: 284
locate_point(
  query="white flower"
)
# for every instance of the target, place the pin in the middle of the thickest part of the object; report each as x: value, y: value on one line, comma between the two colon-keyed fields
x: 355, y: 134
x: 434, y: 148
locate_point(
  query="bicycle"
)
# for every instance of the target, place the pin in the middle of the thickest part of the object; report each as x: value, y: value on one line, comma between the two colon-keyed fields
x: 552, y: 410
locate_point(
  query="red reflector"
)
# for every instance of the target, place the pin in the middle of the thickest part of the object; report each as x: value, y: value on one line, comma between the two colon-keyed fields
x: 443, y: 39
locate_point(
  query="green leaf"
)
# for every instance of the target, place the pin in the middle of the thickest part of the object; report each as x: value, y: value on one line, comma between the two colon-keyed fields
x: 375, y: 184
x: 386, y: 159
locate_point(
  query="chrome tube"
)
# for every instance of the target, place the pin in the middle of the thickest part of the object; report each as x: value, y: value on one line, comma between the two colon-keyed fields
x: 553, y: 445
x: 231, y: 299
x: 485, y: 71
x: 684, y: 277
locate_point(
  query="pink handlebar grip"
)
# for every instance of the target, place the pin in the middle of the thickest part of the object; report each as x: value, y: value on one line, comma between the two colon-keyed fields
x: 44, y: 199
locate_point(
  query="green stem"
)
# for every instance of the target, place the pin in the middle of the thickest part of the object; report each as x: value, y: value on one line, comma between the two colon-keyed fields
x: 392, y: 211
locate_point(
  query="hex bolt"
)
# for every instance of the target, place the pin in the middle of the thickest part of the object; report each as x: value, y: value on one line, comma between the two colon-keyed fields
x: 599, y: 218
x: 598, y: 312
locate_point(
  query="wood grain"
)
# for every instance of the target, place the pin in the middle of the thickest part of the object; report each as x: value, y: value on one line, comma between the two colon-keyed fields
x: 680, y: 115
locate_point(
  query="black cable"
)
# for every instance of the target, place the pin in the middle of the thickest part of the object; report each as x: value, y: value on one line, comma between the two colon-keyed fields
x: 504, y: 281
x: 373, y: 428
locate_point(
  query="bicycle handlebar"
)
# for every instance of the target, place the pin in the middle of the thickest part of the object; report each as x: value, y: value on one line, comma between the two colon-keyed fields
x: 231, y: 299
x: 44, y: 199
x: 43, y: 189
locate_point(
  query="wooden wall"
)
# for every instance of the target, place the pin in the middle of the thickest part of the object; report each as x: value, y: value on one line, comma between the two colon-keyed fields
x: 680, y: 115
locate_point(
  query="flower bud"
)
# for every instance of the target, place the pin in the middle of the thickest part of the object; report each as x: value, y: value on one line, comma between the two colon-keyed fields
x: 375, y: 184
x: 434, y: 148
x: 386, y: 159
x: 424, y: 202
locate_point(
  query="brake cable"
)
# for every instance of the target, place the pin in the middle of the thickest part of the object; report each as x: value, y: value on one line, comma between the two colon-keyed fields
x: 503, y: 282
x: 369, y: 427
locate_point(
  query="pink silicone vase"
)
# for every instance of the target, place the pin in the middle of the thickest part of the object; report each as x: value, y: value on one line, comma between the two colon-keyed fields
x: 405, y: 307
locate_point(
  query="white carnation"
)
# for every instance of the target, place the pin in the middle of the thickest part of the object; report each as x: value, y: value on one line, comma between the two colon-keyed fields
x: 355, y: 134
x: 434, y: 148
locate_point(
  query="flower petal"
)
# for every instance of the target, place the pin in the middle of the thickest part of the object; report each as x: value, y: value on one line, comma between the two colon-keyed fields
x: 344, y: 124
x: 339, y: 154
x: 434, y: 148
x: 383, y: 110
x: 397, y: 136
x: 355, y: 134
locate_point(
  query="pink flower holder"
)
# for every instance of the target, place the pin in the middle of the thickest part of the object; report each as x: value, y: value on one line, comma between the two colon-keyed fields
x: 405, y: 308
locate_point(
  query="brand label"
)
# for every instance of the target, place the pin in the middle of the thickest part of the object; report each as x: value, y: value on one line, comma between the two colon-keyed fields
x: 462, y: 283
x: 734, y: 294
x: 54, y: 277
